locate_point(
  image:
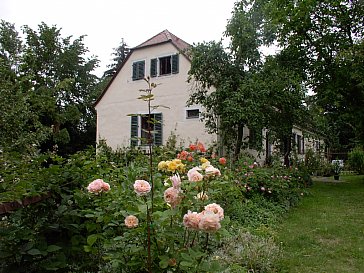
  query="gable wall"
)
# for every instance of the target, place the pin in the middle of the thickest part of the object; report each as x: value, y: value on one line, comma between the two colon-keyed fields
x: 113, y: 124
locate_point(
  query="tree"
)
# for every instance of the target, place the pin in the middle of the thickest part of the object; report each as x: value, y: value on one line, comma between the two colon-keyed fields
x: 119, y: 54
x: 20, y: 129
x: 326, y: 37
x: 235, y: 102
x: 286, y: 96
x: 247, y: 92
x: 53, y: 83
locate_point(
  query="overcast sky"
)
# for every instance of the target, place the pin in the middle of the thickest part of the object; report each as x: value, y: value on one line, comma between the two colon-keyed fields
x: 106, y: 22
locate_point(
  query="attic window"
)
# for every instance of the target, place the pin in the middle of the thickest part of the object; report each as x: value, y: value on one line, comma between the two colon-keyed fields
x: 192, y: 113
x: 138, y: 70
x: 165, y: 65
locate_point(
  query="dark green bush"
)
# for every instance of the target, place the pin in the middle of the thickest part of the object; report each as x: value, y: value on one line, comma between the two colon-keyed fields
x: 356, y: 160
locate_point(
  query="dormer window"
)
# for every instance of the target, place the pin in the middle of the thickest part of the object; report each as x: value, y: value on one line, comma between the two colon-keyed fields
x: 165, y: 65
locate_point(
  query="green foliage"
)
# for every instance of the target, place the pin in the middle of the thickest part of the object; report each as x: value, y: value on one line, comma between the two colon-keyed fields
x: 245, y: 252
x: 73, y: 230
x: 325, y: 41
x: 47, y: 88
x: 356, y: 160
x: 316, y: 164
x: 119, y: 54
x: 247, y: 91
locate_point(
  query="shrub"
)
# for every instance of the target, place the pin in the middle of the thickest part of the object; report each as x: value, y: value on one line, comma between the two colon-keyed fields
x: 246, y: 252
x: 356, y: 160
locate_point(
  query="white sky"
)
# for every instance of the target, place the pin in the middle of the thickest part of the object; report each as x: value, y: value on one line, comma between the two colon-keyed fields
x: 105, y: 22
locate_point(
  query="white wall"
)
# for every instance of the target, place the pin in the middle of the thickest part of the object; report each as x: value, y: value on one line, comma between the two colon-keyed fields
x: 172, y: 91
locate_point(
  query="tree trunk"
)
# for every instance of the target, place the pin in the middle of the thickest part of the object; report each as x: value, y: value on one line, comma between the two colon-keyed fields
x: 239, y: 141
x: 287, y: 150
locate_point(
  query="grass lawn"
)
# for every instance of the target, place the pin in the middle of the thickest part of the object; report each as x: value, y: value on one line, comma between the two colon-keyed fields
x: 325, y: 233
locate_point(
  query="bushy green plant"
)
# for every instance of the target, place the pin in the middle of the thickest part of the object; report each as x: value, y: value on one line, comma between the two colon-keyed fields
x: 245, y: 252
x: 255, y: 212
x: 356, y: 160
x: 313, y: 161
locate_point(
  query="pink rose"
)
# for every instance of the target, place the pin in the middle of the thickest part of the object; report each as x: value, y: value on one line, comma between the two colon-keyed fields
x: 216, y: 209
x: 201, y: 147
x: 131, y: 221
x: 191, y: 220
x: 222, y: 160
x: 209, y: 222
x: 211, y: 170
x: 141, y: 187
x: 176, y: 181
x: 193, y: 175
x: 98, y: 186
x: 105, y: 186
x: 171, y: 196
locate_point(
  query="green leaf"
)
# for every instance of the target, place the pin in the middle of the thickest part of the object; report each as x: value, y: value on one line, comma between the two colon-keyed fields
x: 186, y: 264
x: 53, y: 248
x: 163, y: 261
x: 92, y: 239
x: 34, y: 252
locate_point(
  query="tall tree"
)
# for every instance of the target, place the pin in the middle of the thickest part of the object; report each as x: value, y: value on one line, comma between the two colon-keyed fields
x: 119, y: 54
x: 285, y: 101
x: 235, y: 102
x: 56, y: 82
x: 246, y: 91
x: 327, y: 37
x: 20, y: 128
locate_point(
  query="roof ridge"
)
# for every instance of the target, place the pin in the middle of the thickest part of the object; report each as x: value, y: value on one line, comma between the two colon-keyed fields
x: 168, y: 34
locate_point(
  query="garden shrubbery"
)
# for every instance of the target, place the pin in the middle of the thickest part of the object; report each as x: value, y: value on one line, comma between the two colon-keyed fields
x: 114, y: 224
x: 113, y: 210
x: 356, y: 160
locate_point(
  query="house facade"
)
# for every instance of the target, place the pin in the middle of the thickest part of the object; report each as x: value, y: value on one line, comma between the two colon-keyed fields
x: 121, y: 119
x: 121, y: 116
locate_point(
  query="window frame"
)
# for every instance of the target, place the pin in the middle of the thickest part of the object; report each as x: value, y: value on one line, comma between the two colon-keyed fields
x: 193, y: 117
x: 137, y: 129
x: 156, y: 65
x: 138, y: 70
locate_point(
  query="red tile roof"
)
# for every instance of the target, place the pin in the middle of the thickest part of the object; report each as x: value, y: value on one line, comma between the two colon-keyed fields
x: 163, y: 37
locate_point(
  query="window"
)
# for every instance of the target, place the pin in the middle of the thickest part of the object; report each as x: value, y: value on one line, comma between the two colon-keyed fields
x: 192, y: 113
x: 166, y: 65
x: 300, y: 144
x: 138, y: 70
x: 140, y: 129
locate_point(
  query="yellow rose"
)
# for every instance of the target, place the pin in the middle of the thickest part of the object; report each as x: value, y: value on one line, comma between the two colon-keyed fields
x: 203, y: 160
x: 205, y: 165
x: 172, y: 166
x: 181, y: 167
x: 162, y: 165
x: 178, y: 161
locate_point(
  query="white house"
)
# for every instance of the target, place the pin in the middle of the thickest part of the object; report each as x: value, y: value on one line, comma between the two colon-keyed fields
x: 163, y: 58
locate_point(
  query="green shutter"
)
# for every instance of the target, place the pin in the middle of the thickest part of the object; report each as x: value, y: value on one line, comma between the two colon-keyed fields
x: 134, y: 71
x: 175, y: 64
x: 158, y: 128
x: 153, y: 67
x: 134, y: 131
x: 138, y: 70
x: 141, y: 70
